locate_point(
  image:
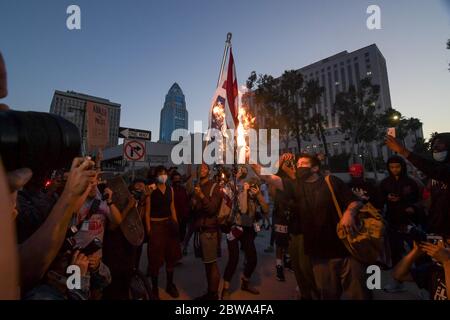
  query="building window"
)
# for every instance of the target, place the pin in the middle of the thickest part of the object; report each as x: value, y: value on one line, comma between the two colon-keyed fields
x: 366, y: 54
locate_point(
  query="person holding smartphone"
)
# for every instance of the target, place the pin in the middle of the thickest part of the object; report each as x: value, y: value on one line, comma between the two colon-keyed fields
x: 400, y: 195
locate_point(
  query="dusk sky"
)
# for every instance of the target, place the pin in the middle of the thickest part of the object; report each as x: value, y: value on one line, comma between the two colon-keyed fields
x: 131, y: 52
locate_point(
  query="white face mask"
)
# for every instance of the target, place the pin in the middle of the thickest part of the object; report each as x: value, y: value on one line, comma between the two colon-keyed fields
x: 162, y: 178
x: 440, y: 156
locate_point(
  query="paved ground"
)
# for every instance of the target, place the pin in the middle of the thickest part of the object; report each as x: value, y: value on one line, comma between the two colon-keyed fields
x: 191, y: 282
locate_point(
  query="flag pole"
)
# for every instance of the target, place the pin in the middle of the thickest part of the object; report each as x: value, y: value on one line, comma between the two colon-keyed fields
x: 225, y: 51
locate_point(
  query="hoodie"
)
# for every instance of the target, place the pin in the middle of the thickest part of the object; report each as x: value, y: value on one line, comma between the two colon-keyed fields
x: 438, y: 220
x: 406, y: 189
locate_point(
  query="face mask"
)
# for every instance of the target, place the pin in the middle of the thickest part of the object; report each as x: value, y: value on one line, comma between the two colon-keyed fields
x: 440, y: 156
x: 304, y: 173
x: 162, y: 178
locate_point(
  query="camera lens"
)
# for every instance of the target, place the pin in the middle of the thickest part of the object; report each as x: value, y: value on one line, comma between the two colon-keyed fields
x: 37, y: 140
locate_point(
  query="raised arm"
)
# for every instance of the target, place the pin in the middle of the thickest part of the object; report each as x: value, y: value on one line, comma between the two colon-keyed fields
x: 49, y: 238
x: 433, y: 169
x: 272, y: 179
x: 172, y: 207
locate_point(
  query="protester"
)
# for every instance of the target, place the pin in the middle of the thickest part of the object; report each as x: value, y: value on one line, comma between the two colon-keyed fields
x: 206, y: 203
x: 244, y: 230
x: 283, y: 184
x: 337, y: 274
x: 438, y: 169
x: 431, y: 273
x: 142, y: 195
x: 9, y: 275
x: 400, y: 193
x: 287, y: 224
x: 182, y: 201
x: 120, y: 256
x: 162, y: 229
x: 95, y: 276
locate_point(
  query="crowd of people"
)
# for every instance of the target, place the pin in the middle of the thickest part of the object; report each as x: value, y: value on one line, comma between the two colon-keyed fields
x: 77, y: 220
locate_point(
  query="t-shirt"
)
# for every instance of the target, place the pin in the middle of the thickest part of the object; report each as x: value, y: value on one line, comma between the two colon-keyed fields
x: 319, y: 216
x: 431, y: 277
x: 94, y: 227
x: 439, y: 213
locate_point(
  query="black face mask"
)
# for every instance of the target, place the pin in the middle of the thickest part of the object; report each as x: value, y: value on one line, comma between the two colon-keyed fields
x: 303, y: 173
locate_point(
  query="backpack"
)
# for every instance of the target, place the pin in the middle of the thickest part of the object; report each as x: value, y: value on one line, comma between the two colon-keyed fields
x: 368, y: 244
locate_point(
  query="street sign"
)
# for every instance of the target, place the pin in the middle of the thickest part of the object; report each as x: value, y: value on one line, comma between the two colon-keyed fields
x: 128, y: 133
x: 134, y: 150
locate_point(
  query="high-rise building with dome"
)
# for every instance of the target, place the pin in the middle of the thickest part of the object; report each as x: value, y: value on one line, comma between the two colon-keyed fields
x: 174, y: 114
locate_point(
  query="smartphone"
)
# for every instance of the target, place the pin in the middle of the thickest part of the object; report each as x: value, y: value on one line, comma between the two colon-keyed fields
x: 391, y: 132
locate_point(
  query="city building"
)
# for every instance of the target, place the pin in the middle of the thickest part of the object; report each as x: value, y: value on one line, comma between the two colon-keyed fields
x: 335, y: 74
x: 72, y: 106
x: 174, y: 114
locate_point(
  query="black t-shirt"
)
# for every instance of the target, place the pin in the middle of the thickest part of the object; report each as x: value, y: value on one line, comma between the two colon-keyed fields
x: 283, y: 203
x: 160, y: 203
x: 431, y: 277
x: 319, y: 216
x: 439, y: 217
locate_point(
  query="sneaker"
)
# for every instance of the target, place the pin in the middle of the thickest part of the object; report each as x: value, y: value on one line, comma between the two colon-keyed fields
x: 280, y: 273
x: 269, y: 249
x: 208, y: 296
x: 226, y: 295
x: 172, y: 290
x: 245, y: 286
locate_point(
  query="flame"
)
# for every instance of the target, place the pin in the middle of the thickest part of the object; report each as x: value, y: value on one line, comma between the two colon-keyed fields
x: 246, y: 121
x: 219, y: 112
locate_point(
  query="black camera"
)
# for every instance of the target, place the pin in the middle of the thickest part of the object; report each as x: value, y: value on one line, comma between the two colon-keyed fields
x: 414, y: 233
x: 37, y: 140
x: 137, y: 194
x: 71, y: 245
x: 101, y: 188
x: 93, y: 246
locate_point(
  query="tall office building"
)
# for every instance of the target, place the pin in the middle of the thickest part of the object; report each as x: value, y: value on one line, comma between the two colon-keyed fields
x: 335, y: 74
x: 72, y: 106
x: 174, y: 114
